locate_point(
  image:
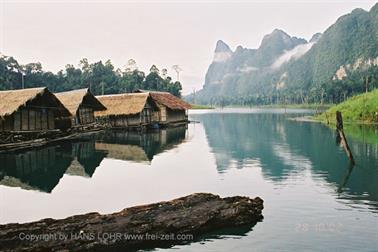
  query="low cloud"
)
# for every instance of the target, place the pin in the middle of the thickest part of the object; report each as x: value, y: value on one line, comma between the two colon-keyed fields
x: 247, y: 69
x: 294, y: 53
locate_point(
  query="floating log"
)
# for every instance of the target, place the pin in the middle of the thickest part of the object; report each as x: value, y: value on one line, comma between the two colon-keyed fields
x: 340, y: 131
x: 179, y: 221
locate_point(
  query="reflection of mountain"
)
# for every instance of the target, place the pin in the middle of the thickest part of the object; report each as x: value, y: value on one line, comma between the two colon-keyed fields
x: 243, y: 139
x: 35, y: 169
x: 283, y: 147
x: 139, y: 147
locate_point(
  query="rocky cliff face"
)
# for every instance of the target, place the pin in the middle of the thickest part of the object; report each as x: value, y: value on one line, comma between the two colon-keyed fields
x: 286, y: 64
x: 227, y: 63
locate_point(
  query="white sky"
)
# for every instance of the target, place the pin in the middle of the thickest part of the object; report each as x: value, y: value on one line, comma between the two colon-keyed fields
x: 164, y: 33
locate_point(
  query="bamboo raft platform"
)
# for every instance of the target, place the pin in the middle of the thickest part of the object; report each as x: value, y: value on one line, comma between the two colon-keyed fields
x: 15, y: 141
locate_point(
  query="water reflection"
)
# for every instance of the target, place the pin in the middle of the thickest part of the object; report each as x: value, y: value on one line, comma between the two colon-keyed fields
x: 284, y: 148
x: 41, y: 169
x: 36, y: 169
x: 139, y: 147
x: 86, y: 158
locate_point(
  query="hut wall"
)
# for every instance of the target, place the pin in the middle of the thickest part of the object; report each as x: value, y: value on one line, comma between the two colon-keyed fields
x: 163, y: 113
x: 6, y: 123
x: 17, y: 121
x: 134, y: 120
x: 146, y: 115
x: 50, y: 119
x: 38, y: 120
x: 155, y: 116
x: 120, y: 121
x: 176, y: 115
x: 44, y: 120
x: 85, y: 115
x: 24, y: 119
x: 29, y: 120
x: 32, y: 120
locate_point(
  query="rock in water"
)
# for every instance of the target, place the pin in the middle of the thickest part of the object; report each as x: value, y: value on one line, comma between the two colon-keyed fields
x: 165, y: 223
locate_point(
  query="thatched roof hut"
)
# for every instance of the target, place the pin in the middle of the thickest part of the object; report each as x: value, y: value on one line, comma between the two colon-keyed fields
x: 172, y: 110
x: 72, y: 100
x: 122, y: 104
x: 82, y: 104
x: 30, y: 109
x: 127, y: 110
x: 13, y: 100
x: 166, y: 99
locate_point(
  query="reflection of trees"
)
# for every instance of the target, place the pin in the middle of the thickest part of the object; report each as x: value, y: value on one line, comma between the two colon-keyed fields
x: 242, y: 138
x: 331, y: 161
x: 282, y: 147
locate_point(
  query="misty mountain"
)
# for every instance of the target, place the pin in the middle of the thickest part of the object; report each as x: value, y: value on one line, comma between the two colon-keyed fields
x: 291, y: 67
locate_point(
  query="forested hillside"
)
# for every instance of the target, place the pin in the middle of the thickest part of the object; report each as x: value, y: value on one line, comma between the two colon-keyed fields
x: 341, y: 62
x: 98, y: 76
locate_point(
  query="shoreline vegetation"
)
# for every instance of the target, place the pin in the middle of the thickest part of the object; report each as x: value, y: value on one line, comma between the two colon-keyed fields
x: 359, y: 109
x: 315, y: 106
x: 199, y: 106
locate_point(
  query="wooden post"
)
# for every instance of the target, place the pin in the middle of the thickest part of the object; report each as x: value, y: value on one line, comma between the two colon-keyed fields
x: 344, y: 142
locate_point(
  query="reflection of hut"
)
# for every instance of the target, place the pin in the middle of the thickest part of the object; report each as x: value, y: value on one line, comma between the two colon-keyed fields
x: 123, y: 152
x: 86, y: 159
x: 126, y: 110
x: 82, y: 104
x: 172, y: 110
x: 30, y: 110
x: 35, y: 170
x: 131, y: 146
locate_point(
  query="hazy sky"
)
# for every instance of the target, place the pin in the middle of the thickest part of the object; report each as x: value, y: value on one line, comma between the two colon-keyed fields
x: 164, y: 33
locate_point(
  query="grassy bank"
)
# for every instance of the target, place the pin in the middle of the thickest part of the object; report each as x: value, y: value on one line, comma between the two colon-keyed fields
x: 357, y: 109
x: 198, y: 106
x: 299, y: 106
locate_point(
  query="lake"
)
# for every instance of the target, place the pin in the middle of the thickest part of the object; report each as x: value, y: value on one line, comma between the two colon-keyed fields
x: 313, y: 199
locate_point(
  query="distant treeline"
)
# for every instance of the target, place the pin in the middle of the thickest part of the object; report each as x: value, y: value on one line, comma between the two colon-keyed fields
x: 98, y: 76
x: 331, y: 92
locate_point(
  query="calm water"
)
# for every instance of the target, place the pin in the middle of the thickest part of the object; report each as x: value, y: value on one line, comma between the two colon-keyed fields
x: 314, y: 201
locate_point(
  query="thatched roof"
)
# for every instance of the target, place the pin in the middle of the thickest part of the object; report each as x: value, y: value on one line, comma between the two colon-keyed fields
x: 13, y: 100
x: 76, y: 169
x: 122, y: 104
x: 167, y: 99
x: 124, y: 152
x: 73, y: 99
x: 16, y: 182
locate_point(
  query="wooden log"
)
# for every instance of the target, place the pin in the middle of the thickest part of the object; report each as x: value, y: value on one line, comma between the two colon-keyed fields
x: 147, y: 226
x: 344, y: 142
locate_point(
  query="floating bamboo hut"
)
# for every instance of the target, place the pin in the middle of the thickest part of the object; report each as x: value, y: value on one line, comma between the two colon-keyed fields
x: 127, y: 110
x: 172, y: 110
x: 33, y: 109
x: 82, y: 104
